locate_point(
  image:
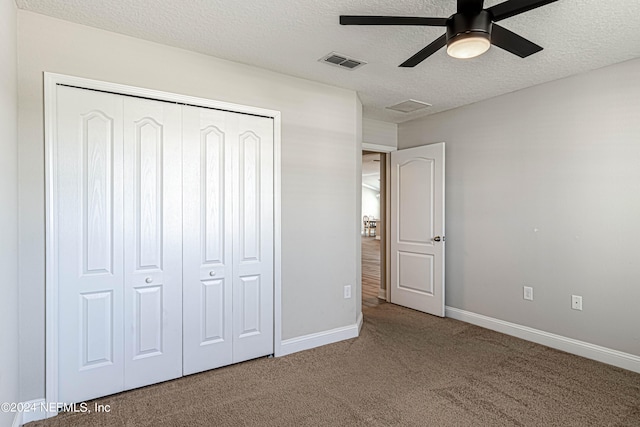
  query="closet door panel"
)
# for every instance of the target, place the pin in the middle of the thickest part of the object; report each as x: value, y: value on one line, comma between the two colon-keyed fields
x: 153, y: 242
x: 253, y: 238
x: 208, y: 237
x: 89, y: 228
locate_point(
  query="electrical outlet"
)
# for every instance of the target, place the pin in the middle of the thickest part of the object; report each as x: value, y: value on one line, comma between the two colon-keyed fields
x: 347, y: 291
x: 528, y: 293
x: 576, y: 302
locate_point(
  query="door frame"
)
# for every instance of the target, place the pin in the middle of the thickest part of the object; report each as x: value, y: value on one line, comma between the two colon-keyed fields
x: 51, y: 81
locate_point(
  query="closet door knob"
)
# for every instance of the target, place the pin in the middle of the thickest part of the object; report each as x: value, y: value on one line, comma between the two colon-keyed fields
x: 212, y: 273
x: 148, y: 280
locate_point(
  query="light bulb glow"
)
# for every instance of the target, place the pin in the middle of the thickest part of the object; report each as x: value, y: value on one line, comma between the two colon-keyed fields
x: 468, y: 47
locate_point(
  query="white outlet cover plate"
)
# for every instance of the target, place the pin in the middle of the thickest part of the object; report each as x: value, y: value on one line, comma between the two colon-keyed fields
x: 576, y: 302
x: 347, y: 291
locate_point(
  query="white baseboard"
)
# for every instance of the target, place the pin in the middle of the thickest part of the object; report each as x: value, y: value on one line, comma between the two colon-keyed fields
x: 382, y: 294
x: 34, y: 411
x: 17, y: 420
x: 570, y: 345
x: 306, y: 342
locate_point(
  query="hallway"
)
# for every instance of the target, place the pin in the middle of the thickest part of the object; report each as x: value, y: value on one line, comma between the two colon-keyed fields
x: 370, y: 272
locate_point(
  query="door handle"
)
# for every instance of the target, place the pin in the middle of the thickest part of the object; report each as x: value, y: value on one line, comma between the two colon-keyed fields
x: 438, y: 239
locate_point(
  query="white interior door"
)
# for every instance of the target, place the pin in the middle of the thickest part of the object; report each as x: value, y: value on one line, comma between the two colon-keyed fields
x: 137, y: 181
x: 253, y: 238
x: 89, y: 218
x: 208, y: 236
x: 119, y: 243
x: 153, y: 241
x: 417, y: 228
x: 228, y: 238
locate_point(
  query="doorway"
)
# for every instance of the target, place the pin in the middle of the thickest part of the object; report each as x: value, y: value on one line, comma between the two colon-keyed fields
x: 411, y: 248
x: 373, y: 229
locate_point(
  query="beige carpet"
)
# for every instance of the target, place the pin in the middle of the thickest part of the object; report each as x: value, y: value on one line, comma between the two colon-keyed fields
x: 406, y: 369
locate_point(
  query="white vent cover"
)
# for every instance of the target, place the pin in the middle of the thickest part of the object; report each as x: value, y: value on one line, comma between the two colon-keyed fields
x: 342, y: 61
x: 409, y: 106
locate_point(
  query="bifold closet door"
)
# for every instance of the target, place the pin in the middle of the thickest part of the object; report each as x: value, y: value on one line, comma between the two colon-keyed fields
x: 89, y: 235
x: 253, y: 239
x: 152, y: 241
x: 228, y: 238
x: 119, y: 232
x: 208, y: 236
x: 164, y: 240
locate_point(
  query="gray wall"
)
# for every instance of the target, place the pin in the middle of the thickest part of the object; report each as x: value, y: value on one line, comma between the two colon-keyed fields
x: 379, y: 133
x: 543, y: 189
x: 8, y: 209
x: 320, y: 147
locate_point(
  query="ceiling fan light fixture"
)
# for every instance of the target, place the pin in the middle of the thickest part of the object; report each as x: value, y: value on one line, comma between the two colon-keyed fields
x: 468, y: 45
x: 470, y: 31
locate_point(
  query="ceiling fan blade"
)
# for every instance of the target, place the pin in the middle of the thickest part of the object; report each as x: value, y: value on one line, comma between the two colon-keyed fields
x: 392, y: 20
x: 511, y: 42
x: 435, y: 45
x: 515, y: 7
x: 470, y: 6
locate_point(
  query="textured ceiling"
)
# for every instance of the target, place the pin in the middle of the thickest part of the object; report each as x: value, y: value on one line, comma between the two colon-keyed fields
x: 289, y: 36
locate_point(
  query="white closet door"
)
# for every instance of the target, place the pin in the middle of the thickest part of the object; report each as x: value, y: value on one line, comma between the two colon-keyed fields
x: 126, y: 205
x: 228, y: 238
x: 208, y: 234
x: 153, y: 241
x: 88, y: 211
x: 253, y: 238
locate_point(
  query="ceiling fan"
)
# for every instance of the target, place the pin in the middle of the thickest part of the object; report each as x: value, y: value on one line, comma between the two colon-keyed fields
x: 470, y: 31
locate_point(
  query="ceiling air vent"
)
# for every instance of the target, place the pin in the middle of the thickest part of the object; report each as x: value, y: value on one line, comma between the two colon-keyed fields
x: 343, y: 61
x: 409, y: 106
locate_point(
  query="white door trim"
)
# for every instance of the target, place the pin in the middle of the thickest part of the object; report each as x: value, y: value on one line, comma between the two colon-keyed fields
x: 378, y: 147
x: 51, y: 80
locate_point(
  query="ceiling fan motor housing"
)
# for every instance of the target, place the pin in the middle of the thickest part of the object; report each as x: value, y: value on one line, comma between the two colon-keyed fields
x: 461, y: 25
